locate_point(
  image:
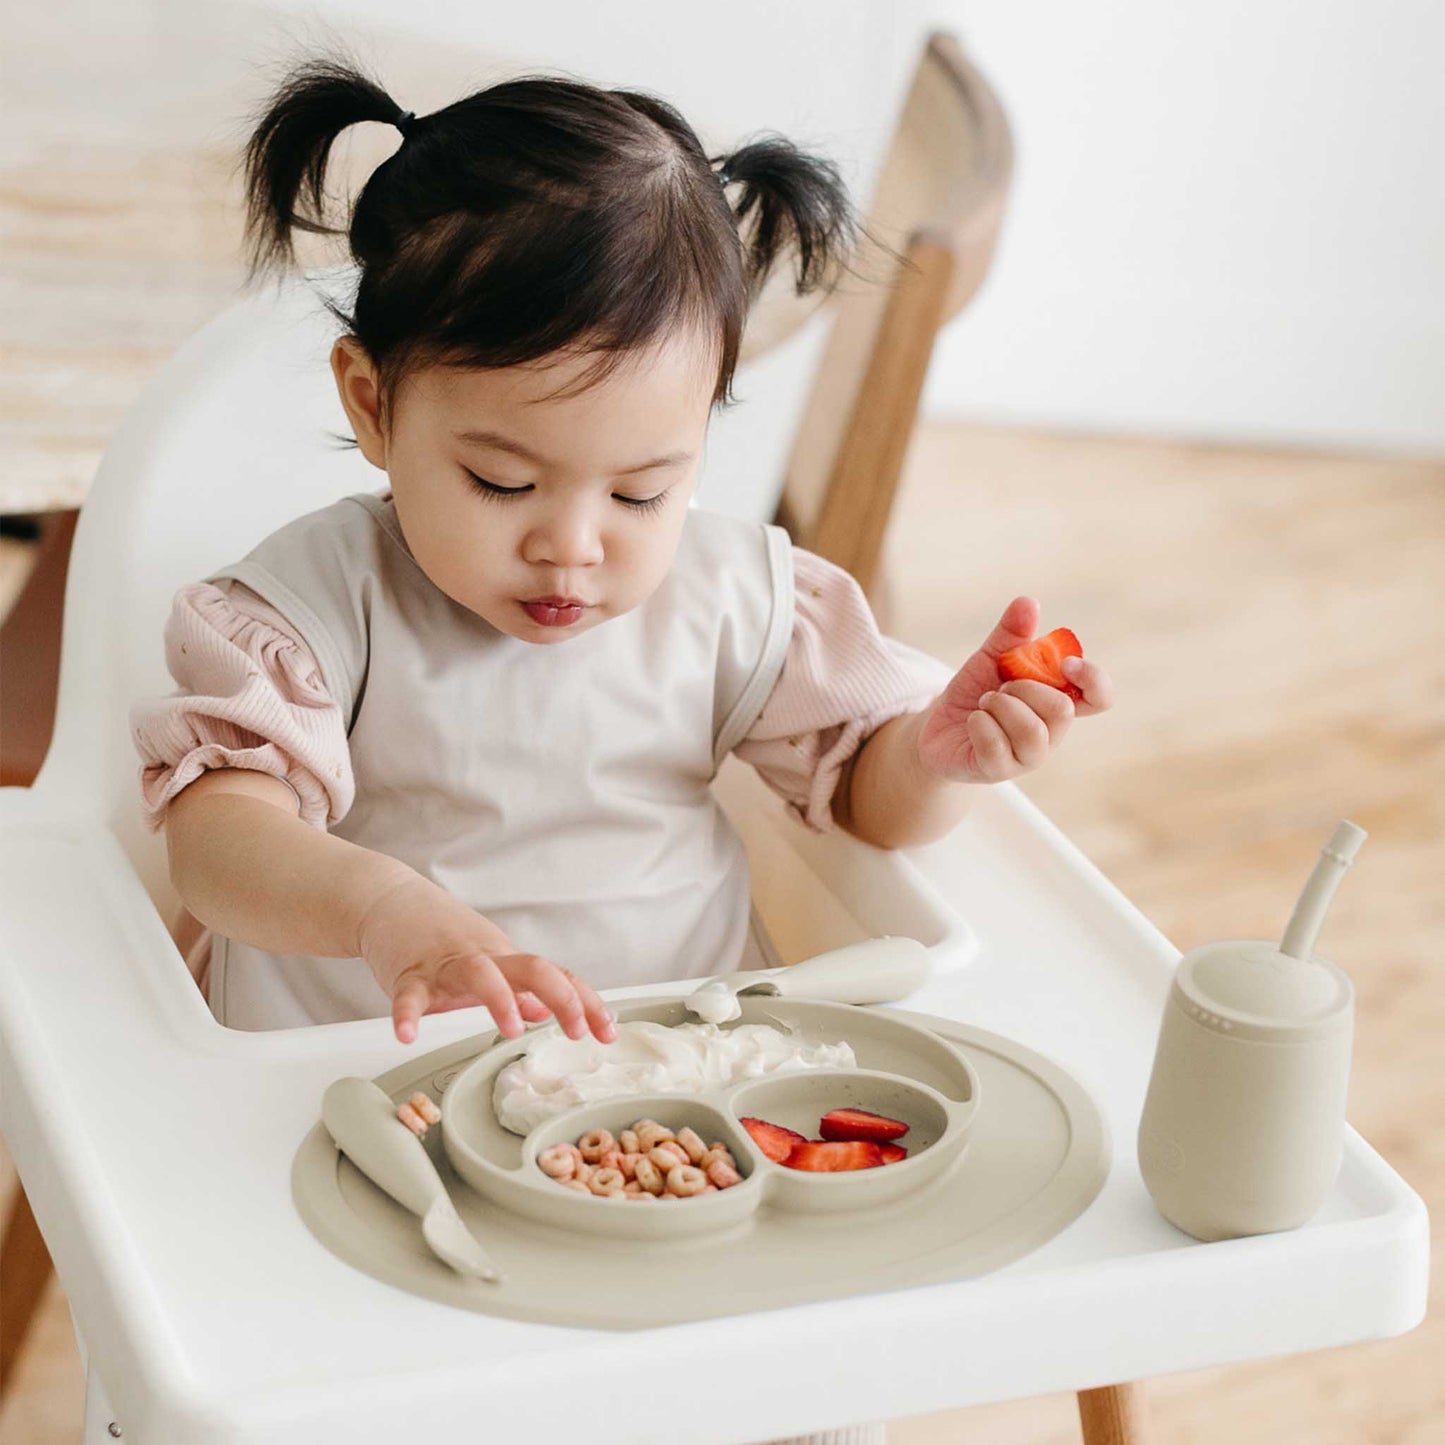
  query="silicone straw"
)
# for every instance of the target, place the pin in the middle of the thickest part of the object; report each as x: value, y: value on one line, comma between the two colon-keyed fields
x: 1309, y: 912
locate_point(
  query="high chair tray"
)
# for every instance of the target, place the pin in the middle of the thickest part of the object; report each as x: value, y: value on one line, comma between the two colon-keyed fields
x: 1030, y: 1153
x: 157, y: 1148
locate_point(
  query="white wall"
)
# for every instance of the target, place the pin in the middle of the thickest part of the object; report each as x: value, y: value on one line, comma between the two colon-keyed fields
x: 1228, y: 221
x: 1228, y: 218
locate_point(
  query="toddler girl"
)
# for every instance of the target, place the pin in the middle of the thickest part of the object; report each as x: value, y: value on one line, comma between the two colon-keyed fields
x: 451, y: 743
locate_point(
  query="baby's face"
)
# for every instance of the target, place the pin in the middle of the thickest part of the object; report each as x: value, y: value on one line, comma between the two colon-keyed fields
x: 599, y: 481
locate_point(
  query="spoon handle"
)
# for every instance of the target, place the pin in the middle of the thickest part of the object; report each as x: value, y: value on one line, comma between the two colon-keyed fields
x: 362, y: 1120
x: 877, y: 970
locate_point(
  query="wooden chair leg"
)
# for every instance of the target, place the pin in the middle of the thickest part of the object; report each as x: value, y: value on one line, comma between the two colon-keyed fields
x: 1115, y: 1415
x: 30, y: 656
x: 24, y: 1268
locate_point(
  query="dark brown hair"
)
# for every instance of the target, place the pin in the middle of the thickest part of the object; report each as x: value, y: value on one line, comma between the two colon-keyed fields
x: 538, y: 215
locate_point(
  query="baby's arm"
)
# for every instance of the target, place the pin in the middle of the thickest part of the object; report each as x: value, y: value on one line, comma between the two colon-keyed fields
x: 837, y: 736
x: 885, y: 795
x: 246, y: 766
x: 247, y: 866
x: 864, y: 733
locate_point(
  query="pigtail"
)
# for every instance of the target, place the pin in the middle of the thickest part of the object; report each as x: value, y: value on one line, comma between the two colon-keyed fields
x: 795, y: 201
x: 539, y: 215
x: 286, y: 157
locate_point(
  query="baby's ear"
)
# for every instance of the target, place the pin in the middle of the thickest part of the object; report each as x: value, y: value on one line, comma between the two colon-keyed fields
x: 357, y: 386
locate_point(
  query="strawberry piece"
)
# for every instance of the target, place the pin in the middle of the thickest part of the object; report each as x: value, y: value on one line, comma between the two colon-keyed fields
x: 821, y: 1156
x: 892, y: 1153
x: 774, y: 1140
x: 860, y: 1124
x: 1042, y: 661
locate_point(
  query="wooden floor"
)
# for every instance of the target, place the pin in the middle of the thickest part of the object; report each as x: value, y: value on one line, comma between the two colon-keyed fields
x: 1275, y: 626
x: 1271, y: 623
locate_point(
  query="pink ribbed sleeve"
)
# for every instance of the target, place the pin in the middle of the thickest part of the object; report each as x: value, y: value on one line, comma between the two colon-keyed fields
x: 842, y: 680
x: 251, y: 696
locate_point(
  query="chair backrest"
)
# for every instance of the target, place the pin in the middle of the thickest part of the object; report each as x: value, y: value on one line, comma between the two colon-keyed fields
x: 940, y: 201
x: 227, y: 442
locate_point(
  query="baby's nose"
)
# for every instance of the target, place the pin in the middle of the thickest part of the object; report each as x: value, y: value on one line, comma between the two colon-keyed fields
x: 568, y: 541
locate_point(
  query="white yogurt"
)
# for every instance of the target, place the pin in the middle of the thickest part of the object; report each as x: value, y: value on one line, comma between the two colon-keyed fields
x: 715, y: 1003
x: 557, y: 1073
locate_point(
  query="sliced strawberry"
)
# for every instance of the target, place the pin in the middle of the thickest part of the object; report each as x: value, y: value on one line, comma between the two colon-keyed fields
x: 832, y: 1157
x: 860, y: 1124
x: 774, y: 1140
x: 892, y: 1153
x: 1042, y: 661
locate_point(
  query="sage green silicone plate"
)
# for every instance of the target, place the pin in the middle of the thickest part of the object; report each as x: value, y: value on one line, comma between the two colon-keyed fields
x: 1007, y: 1149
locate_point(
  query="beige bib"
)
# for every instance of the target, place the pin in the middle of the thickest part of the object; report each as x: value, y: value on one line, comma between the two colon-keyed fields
x: 562, y: 791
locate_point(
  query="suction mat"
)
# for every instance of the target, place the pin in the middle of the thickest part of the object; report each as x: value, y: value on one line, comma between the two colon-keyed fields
x: 1036, y: 1156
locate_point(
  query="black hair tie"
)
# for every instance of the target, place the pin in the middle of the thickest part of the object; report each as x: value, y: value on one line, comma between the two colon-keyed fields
x: 723, y: 179
x: 404, y: 120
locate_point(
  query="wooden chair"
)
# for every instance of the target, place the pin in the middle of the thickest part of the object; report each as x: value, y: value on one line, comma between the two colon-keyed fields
x: 940, y: 202
x: 30, y: 654
x: 29, y: 672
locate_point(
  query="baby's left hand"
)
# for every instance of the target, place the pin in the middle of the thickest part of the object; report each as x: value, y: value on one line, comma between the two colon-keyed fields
x: 982, y: 730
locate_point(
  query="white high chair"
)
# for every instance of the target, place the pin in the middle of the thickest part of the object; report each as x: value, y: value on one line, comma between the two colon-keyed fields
x: 206, y: 1310
x: 208, y: 1313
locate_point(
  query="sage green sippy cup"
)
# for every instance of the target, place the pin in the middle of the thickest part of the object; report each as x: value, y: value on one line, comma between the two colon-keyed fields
x: 1244, y: 1120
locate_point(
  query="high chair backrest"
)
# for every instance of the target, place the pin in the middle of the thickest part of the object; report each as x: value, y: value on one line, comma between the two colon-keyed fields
x: 228, y: 441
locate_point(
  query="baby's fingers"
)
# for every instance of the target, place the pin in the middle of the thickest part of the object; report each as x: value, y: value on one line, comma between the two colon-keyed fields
x: 573, y: 1001
x: 487, y: 981
x: 1093, y: 682
x: 408, y: 1004
x: 993, y: 756
x: 459, y: 982
x: 1043, y: 704
x: 533, y: 1009
x: 599, y: 1016
x: 1026, y: 731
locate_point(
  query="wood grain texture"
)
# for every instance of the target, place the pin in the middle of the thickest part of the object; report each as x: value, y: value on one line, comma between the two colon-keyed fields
x: 1115, y: 1415
x: 1274, y: 623
x: 940, y: 202
x: 24, y: 1270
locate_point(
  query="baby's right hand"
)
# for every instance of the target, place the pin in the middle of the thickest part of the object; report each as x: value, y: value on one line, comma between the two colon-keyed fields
x: 432, y: 953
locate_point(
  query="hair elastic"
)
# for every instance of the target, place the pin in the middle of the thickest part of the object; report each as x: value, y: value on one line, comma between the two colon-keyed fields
x: 404, y: 120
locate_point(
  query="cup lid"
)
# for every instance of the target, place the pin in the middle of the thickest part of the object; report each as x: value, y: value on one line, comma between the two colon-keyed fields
x: 1251, y: 978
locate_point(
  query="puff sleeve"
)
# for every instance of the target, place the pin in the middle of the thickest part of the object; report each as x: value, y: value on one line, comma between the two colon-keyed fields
x: 250, y: 696
x: 842, y: 679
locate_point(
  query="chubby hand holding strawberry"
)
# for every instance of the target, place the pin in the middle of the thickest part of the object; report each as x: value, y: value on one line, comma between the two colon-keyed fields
x: 1012, y: 702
